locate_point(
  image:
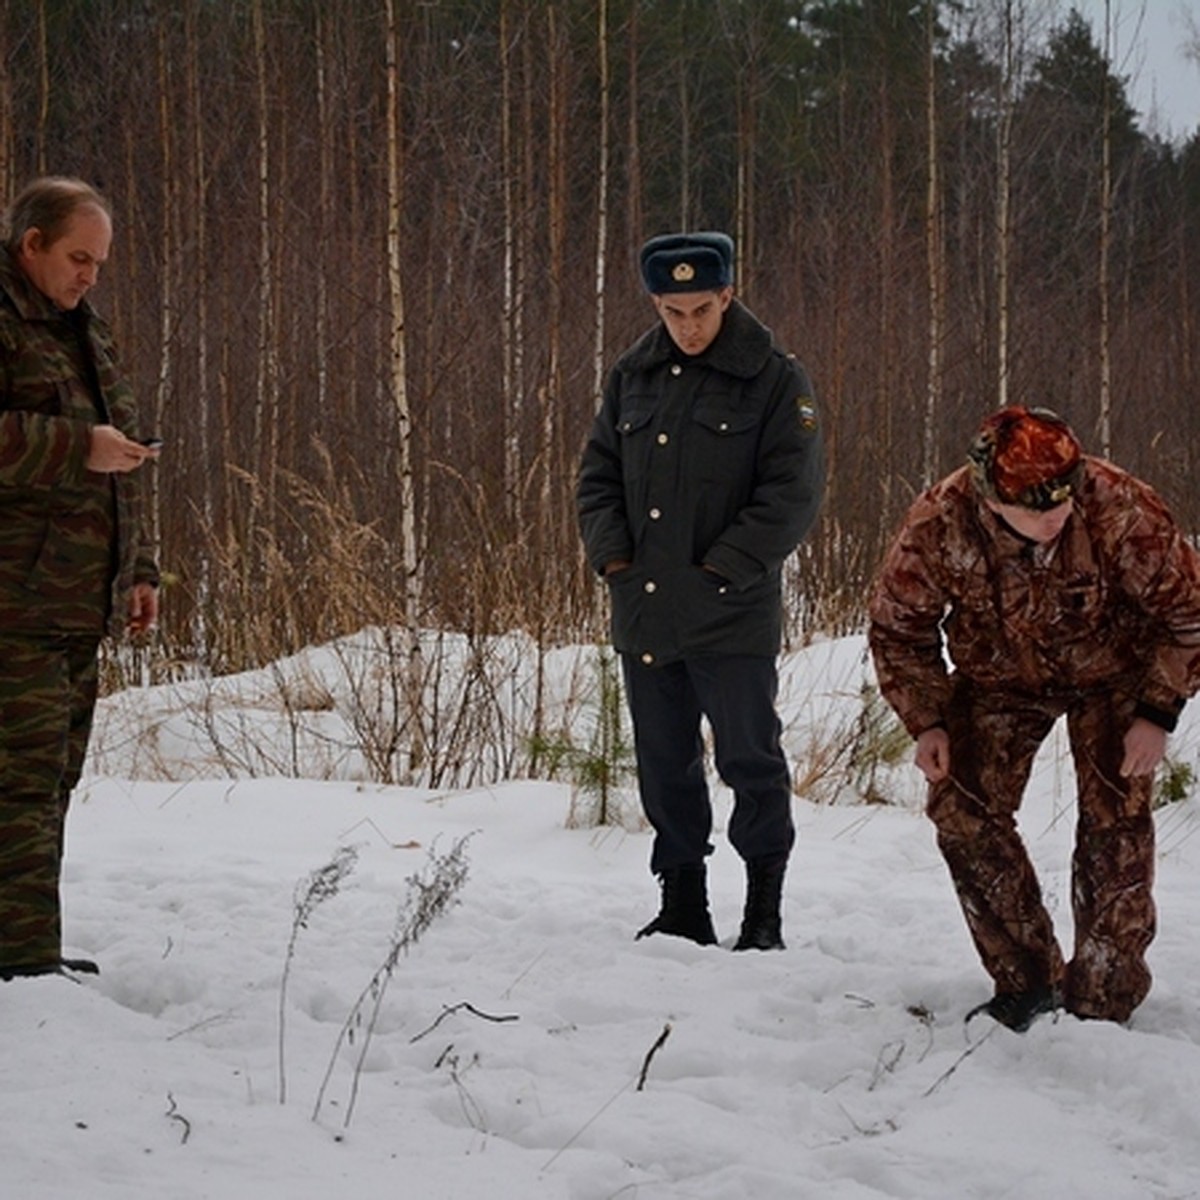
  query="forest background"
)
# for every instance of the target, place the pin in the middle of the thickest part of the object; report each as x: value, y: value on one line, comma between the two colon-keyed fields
x: 373, y: 259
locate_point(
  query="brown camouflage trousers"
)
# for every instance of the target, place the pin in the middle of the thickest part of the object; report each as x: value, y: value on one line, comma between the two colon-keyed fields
x: 47, y: 698
x: 993, y: 741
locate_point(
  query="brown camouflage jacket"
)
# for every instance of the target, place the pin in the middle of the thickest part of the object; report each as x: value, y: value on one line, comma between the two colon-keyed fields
x: 71, y: 541
x: 1113, y: 601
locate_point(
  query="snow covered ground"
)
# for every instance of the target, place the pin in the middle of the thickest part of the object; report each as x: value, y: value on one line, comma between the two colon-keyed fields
x: 505, y: 1056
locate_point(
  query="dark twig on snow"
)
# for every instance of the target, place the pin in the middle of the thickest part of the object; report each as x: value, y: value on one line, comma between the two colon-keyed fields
x: 658, y: 1044
x: 174, y: 1114
x: 470, y: 1107
x: 926, y: 1017
x: 887, y: 1062
x: 450, y: 1009
x: 662, y: 1037
x: 937, y: 1083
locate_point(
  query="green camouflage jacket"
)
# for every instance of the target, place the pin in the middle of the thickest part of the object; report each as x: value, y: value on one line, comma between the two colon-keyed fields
x: 71, y: 540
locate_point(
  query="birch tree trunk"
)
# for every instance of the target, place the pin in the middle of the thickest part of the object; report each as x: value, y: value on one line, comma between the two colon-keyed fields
x: 166, y: 311
x: 43, y: 111
x: 528, y: 140
x: 266, y: 399
x: 888, y: 237
x: 205, y: 480
x: 126, y: 231
x: 1104, y: 424
x: 398, y: 386
x: 1004, y: 129
x: 556, y: 170
x: 934, y: 256
x: 685, y: 143
x: 326, y: 145
x: 549, y: 523
x: 510, y: 308
x: 518, y: 157
x: 745, y: 201
x: 633, y: 184
x: 598, y: 358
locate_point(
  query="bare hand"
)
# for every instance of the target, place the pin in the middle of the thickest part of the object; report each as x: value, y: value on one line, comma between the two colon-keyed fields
x: 143, y: 608
x: 1145, y: 745
x: 933, y: 754
x: 111, y: 451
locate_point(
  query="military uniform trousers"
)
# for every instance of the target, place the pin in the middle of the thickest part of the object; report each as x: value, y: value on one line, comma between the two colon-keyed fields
x: 994, y: 737
x: 47, y: 699
x: 737, y: 695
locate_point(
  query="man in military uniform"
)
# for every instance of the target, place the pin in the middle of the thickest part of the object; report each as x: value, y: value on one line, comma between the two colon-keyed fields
x: 1060, y: 586
x: 73, y: 563
x: 703, y: 471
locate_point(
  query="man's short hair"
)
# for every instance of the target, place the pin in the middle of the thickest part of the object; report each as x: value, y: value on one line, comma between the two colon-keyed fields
x: 47, y: 204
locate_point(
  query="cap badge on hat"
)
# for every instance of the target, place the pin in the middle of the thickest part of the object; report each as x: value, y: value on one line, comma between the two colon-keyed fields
x: 687, y: 262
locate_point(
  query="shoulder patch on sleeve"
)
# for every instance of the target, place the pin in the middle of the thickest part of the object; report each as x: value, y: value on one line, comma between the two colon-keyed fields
x: 807, y: 411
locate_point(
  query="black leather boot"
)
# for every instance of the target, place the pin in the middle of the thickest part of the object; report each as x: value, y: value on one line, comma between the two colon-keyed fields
x: 1018, y: 1010
x: 63, y: 966
x: 684, y: 911
x: 762, y: 925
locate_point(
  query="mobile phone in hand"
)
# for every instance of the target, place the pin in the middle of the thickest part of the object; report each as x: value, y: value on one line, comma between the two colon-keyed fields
x: 152, y: 443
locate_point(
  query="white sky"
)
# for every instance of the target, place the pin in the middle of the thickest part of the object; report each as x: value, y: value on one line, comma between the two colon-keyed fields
x: 1150, y: 48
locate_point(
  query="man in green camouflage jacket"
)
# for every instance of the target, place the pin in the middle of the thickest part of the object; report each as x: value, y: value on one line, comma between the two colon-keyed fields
x: 73, y: 561
x: 1059, y: 586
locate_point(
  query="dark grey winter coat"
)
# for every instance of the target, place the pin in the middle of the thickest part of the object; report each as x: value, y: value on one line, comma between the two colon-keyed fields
x: 715, y: 460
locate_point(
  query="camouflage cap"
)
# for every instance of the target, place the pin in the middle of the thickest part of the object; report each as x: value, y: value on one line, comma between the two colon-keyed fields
x: 687, y: 262
x: 1026, y: 456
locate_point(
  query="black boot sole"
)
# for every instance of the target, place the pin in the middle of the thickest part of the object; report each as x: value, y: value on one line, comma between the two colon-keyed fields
x: 66, y: 967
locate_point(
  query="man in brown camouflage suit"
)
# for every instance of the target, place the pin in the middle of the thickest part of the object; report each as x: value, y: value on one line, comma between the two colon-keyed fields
x: 1059, y: 585
x: 73, y: 565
